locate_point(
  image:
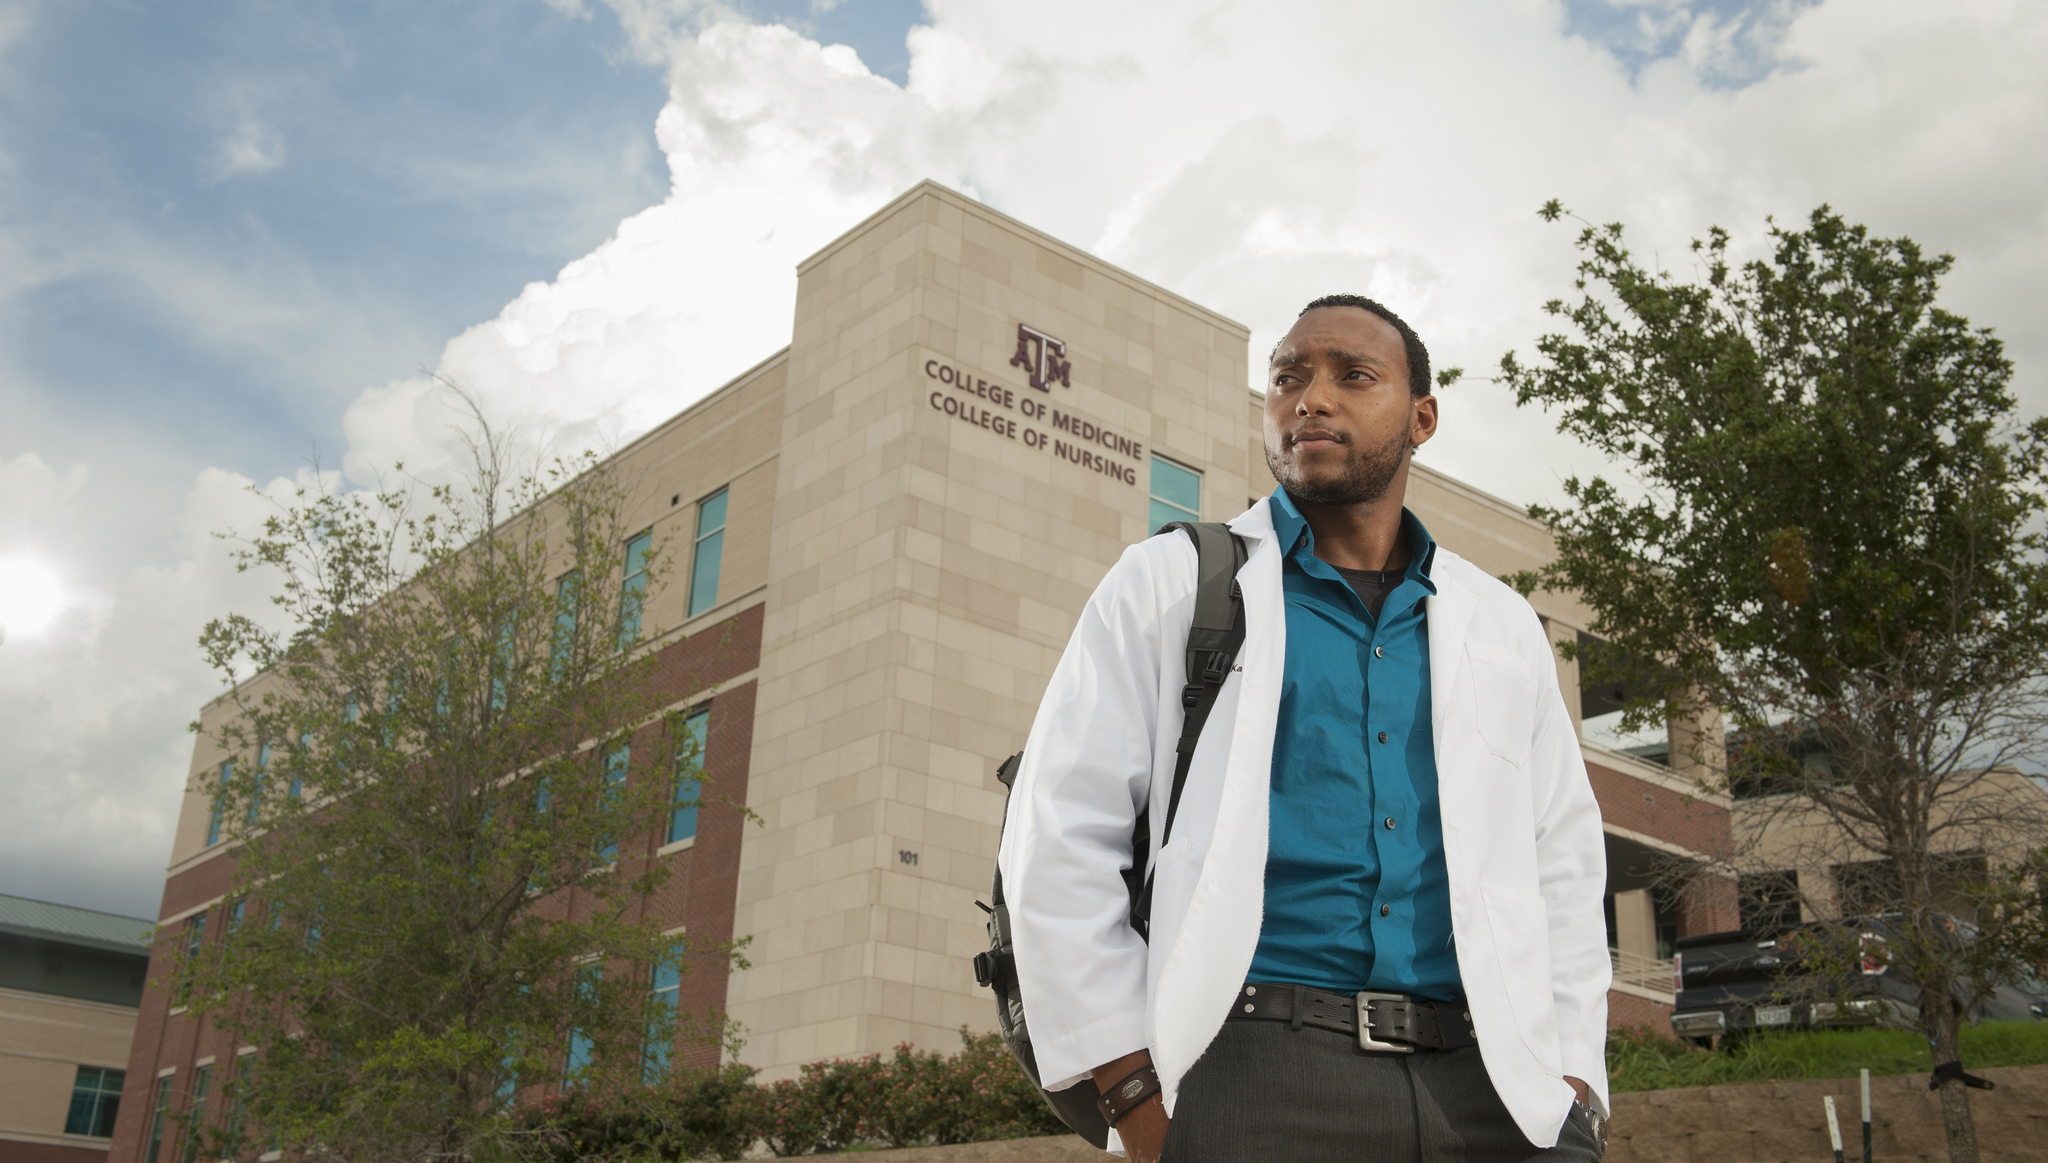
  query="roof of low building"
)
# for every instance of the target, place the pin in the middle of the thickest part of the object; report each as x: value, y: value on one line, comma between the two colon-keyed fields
x: 44, y: 921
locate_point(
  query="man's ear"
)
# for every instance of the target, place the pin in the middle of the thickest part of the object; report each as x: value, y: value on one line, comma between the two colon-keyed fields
x: 1422, y: 421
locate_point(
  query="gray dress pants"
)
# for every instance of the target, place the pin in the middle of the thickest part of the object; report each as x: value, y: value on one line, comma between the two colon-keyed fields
x: 1263, y: 1091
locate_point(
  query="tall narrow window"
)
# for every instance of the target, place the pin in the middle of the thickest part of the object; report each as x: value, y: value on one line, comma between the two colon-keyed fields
x: 195, y: 940
x: 159, y: 1119
x: 682, y: 818
x: 581, y: 1048
x: 615, y: 766
x: 1176, y: 494
x: 705, y: 552
x: 195, y: 1115
x: 262, y: 773
x: 633, y: 588
x: 227, y: 772
x: 501, y: 667
x: 95, y: 1099
x: 394, y: 702
x: 662, y: 1009
x: 238, y: 1100
x: 568, y: 597
x: 297, y: 786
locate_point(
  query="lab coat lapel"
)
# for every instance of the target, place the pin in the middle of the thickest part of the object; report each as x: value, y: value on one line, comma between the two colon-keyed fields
x: 1453, y: 732
x: 1449, y: 611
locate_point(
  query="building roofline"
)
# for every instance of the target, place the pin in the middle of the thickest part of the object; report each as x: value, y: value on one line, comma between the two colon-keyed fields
x: 616, y: 454
x: 931, y: 189
x: 36, y: 920
x: 731, y: 385
x: 1501, y: 505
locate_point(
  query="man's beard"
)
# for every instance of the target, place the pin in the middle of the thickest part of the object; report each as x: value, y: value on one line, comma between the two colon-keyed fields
x: 1367, y: 475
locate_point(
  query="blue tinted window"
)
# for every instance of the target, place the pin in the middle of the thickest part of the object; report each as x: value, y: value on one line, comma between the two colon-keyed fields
x: 580, y: 1047
x: 706, y: 551
x: 664, y: 996
x: 633, y: 588
x: 615, y: 766
x: 501, y: 668
x: 568, y: 597
x: 682, y: 820
x: 227, y: 772
x: 160, y: 1119
x: 195, y: 940
x: 195, y: 1114
x: 95, y: 1099
x: 238, y: 1102
x: 1176, y: 494
x: 262, y: 773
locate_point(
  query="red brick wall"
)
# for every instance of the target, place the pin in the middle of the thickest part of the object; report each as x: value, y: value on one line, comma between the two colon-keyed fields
x: 1709, y: 906
x: 12, y: 1151
x: 1626, y: 1009
x: 1655, y: 810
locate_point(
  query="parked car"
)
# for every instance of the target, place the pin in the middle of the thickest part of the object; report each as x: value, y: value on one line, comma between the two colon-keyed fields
x: 1738, y: 982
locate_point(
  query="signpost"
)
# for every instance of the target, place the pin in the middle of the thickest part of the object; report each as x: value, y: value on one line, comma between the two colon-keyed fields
x: 1834, y: 1128
x: 1866, y: 1116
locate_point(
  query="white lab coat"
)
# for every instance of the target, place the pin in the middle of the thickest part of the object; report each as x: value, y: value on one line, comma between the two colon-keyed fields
x: 1522, y: 838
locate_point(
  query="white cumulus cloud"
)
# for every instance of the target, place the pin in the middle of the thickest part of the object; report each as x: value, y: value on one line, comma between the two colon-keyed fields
x: 1247, y: 155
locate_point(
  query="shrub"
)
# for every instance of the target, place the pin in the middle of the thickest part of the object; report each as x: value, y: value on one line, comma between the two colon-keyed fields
x: 914, y: 1098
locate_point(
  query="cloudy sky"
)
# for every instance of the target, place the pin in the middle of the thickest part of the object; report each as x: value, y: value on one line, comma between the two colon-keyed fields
x: 235, y: 238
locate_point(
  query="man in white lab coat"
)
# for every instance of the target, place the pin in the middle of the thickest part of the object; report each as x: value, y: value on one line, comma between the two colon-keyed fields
x: 1376, y: 927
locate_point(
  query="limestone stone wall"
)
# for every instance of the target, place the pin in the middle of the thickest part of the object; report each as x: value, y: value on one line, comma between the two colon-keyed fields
x: 935, y: 536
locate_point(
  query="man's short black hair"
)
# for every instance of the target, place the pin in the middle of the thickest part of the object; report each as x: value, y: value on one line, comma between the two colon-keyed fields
x: 1418, y: 355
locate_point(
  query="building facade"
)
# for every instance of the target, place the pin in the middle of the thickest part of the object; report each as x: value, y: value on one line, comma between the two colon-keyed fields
x: 886, y: 533
x: 70, y: 983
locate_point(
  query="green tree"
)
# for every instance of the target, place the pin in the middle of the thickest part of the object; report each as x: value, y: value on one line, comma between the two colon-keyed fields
x: 1829, y: 531
x: 439, y: 855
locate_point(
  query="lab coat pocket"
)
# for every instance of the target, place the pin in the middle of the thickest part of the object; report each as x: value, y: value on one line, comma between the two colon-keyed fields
x: 1502, y: 702
x: 1520, y: 920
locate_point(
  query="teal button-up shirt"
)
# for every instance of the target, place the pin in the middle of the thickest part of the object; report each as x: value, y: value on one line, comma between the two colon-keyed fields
x: 1357, y: 895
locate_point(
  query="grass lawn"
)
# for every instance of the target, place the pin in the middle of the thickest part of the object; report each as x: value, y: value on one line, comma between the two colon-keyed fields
x: 1644, y: 1060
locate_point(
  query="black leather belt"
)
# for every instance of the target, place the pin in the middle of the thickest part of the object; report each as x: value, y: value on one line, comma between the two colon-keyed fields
x: 1394, y: 1023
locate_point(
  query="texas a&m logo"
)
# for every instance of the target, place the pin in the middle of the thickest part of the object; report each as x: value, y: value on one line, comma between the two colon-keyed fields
x: 1042, y: 357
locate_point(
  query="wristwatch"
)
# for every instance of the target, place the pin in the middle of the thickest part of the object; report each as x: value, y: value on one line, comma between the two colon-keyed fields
x: 1595, y: 1123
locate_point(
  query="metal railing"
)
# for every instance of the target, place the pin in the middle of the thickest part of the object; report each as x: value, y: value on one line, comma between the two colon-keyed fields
x: 1652, y: 973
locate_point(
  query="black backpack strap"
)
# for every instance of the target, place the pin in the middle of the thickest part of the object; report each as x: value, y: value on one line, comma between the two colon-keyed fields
x: 1214, y: 636
x: 1213, y: 641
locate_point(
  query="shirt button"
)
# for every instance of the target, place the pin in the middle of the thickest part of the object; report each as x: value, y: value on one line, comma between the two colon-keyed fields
x: 1390, y: 823
x: 1378, y: 653
x: 1383, y: 736
x: 1385, y: 909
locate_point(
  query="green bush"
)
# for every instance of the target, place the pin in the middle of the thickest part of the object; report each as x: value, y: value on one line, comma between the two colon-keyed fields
x: 1645, y: 1059
x: 695, y: 1114
x: 914, y: 1098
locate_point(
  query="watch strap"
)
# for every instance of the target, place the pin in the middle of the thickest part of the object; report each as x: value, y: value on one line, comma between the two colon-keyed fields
x: 1128, y: 1094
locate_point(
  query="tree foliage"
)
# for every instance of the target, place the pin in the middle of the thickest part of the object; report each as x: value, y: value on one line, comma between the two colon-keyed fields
x: 439, y: 866
x: 1829, y: 531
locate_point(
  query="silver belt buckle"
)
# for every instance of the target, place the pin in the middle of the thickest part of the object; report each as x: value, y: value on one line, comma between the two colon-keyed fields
x: 1365, y: 1039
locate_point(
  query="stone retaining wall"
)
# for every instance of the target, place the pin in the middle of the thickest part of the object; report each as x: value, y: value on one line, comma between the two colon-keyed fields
x: 1772, y: 1122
